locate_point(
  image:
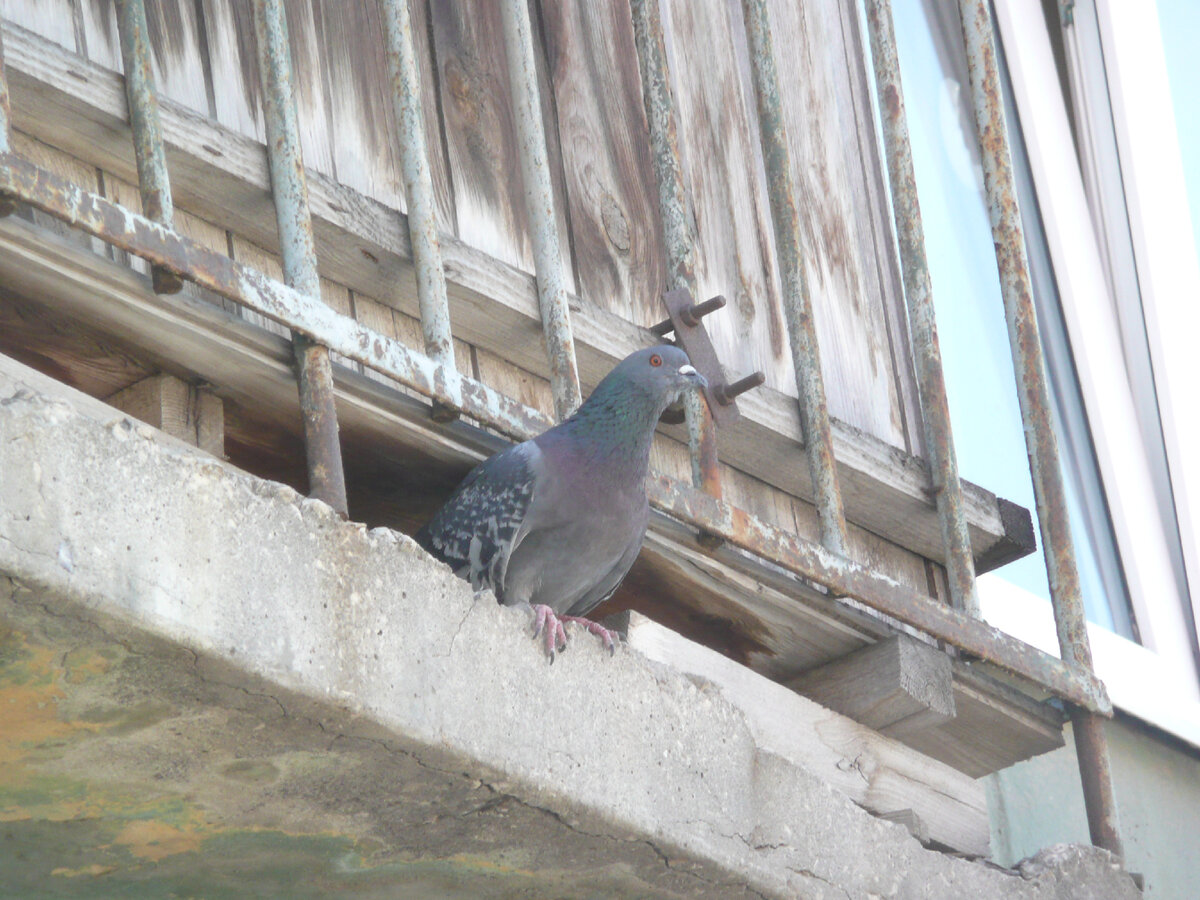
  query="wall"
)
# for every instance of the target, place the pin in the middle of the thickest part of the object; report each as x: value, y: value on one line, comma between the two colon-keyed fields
x: 1157, y: 782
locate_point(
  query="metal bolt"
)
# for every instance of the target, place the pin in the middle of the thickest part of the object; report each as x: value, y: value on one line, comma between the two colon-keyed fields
x: 691, y: 315
x: 726, y: 392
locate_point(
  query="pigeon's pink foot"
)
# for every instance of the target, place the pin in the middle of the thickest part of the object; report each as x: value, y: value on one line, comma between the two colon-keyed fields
x: 552, y: 623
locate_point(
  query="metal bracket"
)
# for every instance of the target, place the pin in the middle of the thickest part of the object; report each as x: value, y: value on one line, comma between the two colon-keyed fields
x: 691, y: 335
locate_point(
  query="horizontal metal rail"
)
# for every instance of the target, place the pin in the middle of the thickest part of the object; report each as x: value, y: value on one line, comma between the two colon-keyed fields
x: 304, y: 314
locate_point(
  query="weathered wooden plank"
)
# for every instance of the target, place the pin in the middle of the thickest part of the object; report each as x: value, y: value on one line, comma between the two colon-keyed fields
x: 481, y: 138
x: 875, y: 771
x: 309, y: 79
x: 232, y: 62
x: 363, y: 245
x: 98, y: 30
x: 848, y: 299
x: 723, y: 173
x: 192, y: 414
x: 431, y: 103
x: 872, y: 202
x: 513, y: 381
x: 54, y: 20
x: 616, y: 228
x: 992, y: 728
x: 237, y: 91
x: 65, y: 349
x: 360, y: 110
x: 900, y: 685
x: 176, y: 58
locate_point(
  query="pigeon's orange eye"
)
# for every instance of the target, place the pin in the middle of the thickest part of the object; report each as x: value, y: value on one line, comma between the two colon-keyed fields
x: 656, y: 360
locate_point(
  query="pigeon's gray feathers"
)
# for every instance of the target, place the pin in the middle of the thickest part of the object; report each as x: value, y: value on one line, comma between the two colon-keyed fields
x: 475, y: 531
x: 558, y: 520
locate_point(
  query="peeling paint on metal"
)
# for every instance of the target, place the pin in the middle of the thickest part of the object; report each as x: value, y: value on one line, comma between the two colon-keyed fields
x: 289, y: 188
x: 418, y: 182
x: 918, y: 292
x: 1033, y: 395
x: 539, y: 199
x: 797, y: 305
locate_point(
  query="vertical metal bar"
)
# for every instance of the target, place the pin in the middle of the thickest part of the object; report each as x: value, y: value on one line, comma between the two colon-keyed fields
x: 539, y: 201
x: 7, y: 205
x: 5, y: 103
x: 797, y: 305
x: 673, y: 207
x: 664, y: 145
x: 931, y: 381
x: 153, y: 180
x: 1036, y: 413
x: 290, y: 189
x: 418, y: 188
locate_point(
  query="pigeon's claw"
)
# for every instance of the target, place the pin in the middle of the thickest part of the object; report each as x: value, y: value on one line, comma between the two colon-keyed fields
x: 548, y: 621
x: 607, y: 637
x: 556, y: 636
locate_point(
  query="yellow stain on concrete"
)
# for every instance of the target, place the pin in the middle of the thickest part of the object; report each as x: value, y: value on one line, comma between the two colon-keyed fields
x: 148, y: 839
x: 29, y: 697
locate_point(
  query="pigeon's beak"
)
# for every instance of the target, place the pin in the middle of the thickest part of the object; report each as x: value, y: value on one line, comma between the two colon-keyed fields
x: 691, y: 376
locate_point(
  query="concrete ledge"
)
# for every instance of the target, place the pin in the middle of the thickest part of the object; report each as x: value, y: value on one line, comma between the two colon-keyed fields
x: 623, y: 777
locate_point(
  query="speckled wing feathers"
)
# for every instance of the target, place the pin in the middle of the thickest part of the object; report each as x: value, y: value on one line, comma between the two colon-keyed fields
x: 477, y: 528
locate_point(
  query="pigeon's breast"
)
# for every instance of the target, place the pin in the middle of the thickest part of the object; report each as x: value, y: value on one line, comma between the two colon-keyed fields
x: 581, y: 531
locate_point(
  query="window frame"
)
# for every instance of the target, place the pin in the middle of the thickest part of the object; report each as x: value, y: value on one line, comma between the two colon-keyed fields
x: 1157, y: 681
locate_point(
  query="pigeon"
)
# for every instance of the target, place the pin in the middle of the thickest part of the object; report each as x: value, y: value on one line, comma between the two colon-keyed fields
x: 556, y: 522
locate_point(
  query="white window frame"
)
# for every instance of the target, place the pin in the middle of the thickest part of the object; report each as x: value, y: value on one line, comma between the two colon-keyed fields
x: 1156, y: 681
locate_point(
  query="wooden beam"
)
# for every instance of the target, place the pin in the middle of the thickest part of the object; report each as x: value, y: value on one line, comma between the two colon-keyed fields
x: 192, y: 414
x: 875, y: 771
x: 897, y: 686
x: 80, y: 107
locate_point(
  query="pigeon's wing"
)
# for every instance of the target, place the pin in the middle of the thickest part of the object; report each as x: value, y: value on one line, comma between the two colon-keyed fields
x: 483, y: 520
x: 607, y: 586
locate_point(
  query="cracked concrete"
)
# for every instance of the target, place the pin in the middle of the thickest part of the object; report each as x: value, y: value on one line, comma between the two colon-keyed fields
x: 213, y: 686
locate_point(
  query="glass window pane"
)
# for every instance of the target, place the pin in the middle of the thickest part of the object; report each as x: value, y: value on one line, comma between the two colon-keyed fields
x: 973, y: 333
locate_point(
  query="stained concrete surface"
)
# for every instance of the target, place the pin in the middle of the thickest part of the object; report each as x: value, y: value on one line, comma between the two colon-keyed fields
x: 213, y: 687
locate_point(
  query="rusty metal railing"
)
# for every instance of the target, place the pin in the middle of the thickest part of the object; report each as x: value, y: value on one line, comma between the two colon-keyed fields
x: 677, y: 232
x: 418, y: 189
x: 153, y: 181
x: 1091, y: 743
x: 318, y: 329
x: 797, y: 305
x: 539, y: 202
x: 314, y: 371
x: 931, y: 381
x: 1028, y: 363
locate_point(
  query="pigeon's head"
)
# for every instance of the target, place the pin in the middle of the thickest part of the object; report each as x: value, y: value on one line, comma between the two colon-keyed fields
x: 620, y: 416
x: 662, y: 373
